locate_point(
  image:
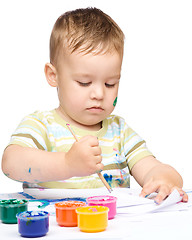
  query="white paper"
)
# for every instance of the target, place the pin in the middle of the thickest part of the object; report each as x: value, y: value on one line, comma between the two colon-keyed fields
x: 128, y: 200
x: 172, y: 200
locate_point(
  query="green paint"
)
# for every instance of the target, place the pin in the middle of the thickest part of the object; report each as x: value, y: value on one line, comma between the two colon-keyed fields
x: 29, y: 221
x: 9, y: 209
x: 115, y: 102
x: 6, y: 174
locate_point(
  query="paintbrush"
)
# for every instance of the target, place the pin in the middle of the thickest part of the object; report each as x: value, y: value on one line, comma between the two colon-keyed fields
x: 99, y: 174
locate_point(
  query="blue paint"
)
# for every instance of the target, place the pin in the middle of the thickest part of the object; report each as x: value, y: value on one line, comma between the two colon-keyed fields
x: 120, y: 181
x: 24, y: 182
x: 122, y: 172
x: 29, y: 170
x: 108, y: 178
x: 33, y: 223
x: 26, y: 195
x: 156, y: 202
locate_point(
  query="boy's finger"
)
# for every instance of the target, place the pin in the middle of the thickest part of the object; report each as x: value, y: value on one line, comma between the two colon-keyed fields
x: 96, y: 150
x: 182, y: 193
x: 185, y: 197
x: 98, y: 159
x: 164, y: 191
x: 148, y: 189
x: 100, y: 167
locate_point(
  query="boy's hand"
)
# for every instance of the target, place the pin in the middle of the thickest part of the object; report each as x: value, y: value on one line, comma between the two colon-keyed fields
x: 84, y: 157
x: 163, y: 191
x: 155, y: 176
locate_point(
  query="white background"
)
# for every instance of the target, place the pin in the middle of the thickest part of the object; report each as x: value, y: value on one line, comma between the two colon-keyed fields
x: 155, y: 90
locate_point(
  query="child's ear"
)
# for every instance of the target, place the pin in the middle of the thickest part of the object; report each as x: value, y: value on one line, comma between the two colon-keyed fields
x: 51, y: 74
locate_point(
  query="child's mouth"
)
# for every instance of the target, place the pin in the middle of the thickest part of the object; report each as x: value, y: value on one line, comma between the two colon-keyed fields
x: 95, y: 109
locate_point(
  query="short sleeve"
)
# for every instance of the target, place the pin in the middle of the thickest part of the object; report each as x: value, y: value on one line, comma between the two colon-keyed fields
x: 135, y: 147
x: 31, y: 132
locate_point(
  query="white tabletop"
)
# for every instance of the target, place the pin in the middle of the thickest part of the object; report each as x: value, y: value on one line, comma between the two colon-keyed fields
x: 175, y: 223
x: 164, y: 225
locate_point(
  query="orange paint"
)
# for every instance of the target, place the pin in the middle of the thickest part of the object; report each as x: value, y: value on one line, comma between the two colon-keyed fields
x: 66, y: 215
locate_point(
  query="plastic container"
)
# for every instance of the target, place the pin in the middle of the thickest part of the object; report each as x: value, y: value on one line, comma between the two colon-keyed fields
x: 33, y: 223
x: 10, y: 208
x: 92, y: 218
x: 66, y: 215
x: 106, y: 201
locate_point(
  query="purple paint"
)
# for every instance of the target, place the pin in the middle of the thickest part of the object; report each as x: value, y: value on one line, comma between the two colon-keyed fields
x: 33, y: 223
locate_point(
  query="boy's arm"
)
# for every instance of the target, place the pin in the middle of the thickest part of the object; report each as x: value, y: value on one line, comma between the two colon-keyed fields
x: 155, y: 176
x: 34, y: 165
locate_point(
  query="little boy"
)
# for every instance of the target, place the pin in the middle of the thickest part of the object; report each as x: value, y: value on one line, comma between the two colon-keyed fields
x: 86, y: 52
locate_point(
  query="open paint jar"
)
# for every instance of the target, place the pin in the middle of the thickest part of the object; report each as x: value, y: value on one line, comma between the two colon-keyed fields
x: 66, y: 215
x: 106, y: 201
x: 10, y: 208
x: 92, y: 218
x: 33, y: 223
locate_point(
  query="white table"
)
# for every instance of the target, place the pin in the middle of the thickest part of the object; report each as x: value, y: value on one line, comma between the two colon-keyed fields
x: 160, y: 225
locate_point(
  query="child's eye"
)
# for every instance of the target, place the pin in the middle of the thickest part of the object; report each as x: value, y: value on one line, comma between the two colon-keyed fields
x: 84, y: 84
x: 109, y: 85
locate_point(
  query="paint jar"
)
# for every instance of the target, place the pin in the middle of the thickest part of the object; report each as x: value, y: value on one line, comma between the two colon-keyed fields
x: 92, y: 218
x: 66, y: 215
x: 9, y: 208
x: 106, y: 201
x: 33, y: 223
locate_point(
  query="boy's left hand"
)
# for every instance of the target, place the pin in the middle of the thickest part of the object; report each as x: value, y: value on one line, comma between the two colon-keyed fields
x: 155, y: 176
x: 162, y: 190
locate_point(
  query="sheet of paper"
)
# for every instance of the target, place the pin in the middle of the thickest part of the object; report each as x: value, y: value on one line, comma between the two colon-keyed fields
x: 128, y: 200
x: 173, y: 199
x: 125, y: 196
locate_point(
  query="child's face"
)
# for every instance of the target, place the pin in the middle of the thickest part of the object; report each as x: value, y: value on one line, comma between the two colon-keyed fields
x: 87, y: 87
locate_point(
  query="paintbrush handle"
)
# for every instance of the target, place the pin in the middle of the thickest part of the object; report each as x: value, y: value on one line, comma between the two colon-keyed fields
x: 70, y: 129
x: 104, y: 182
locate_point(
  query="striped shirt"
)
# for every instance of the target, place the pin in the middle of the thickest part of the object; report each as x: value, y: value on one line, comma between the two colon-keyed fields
x: 121, y: 147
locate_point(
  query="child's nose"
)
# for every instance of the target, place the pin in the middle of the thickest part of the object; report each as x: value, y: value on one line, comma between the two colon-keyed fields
x: 97, y: 92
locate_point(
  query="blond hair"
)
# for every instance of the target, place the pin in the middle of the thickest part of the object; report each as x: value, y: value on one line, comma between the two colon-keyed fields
x: 86, y: 30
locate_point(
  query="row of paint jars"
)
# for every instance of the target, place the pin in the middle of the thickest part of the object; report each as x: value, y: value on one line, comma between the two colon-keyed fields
x: 89, y: 216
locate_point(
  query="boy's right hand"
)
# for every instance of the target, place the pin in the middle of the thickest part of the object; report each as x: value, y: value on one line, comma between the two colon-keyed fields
x: 84, y: 157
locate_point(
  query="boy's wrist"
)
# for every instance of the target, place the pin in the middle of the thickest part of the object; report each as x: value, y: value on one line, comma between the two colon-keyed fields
x: 66, y: 170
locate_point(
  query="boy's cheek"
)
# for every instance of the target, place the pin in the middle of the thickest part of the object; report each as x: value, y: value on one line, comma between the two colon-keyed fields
x: 115, y: 102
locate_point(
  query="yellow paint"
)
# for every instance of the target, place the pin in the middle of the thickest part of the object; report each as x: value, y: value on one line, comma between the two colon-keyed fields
x: 92, y: 218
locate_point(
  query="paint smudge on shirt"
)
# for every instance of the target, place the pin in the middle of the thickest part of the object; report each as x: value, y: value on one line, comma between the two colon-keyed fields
x: 122, y: 172
x: 108, y: 178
